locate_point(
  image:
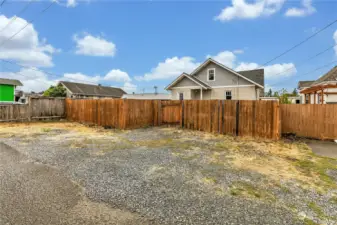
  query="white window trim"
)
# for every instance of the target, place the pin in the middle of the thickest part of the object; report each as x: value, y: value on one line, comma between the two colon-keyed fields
x: 208, y: 74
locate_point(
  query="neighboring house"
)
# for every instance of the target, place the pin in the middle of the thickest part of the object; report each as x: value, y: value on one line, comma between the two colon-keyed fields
x: 79, y: 90
x: 320, y: 91
x: 7, y: 89
x: 212, y: 80
x: 292, y: 99
x: 158, y: 96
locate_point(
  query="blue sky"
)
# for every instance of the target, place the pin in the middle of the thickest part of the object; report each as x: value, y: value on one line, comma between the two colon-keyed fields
x: 139, y: 44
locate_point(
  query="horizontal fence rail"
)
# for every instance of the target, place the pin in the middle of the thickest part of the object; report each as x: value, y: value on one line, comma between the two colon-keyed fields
x: 310, y: 120
x: 250, y: 118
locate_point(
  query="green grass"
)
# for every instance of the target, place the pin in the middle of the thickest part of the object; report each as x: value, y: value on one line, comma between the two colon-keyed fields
x: 316, y: 165
x: 46, y: 129
x: 333, y: 200
x: 316, y: 209
x: 242, y: 188
x: 308, y: 221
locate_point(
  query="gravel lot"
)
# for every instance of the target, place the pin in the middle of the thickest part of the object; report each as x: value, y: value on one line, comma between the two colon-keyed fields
x: 171, y: 176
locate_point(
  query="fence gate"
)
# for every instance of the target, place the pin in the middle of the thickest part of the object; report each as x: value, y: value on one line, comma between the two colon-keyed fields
x: 171, y: 112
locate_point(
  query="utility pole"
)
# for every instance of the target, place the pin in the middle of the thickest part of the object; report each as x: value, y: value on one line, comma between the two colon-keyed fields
x: 155, y: 90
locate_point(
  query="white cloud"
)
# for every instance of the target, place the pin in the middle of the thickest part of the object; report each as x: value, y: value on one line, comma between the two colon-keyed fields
x: 81, y: 78
x: 271, y: 72
x: 170, y: 68
x: 117, y: 76
x: 25, y: 47
x: 31, y: 79
x: 93, y: 46
x: 238, y: 51
x: 226, y: 58
x: 307, y: 9
x: 129, y: 87
x: 71, y: 3
x: 240, y: 9
x: 335, y: 38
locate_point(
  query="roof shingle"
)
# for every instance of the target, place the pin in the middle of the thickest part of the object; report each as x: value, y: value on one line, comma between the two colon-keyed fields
x: 10, y: 82
x: 93, y: 90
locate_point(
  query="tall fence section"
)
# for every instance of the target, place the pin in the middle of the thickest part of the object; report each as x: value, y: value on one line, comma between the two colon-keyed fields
x: 253, y: 118
x: 37, y: 108
x: 315, y: 121
x: 265, y: 119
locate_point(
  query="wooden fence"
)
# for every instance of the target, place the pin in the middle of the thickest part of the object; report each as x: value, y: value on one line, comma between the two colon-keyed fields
x: 37, y: 108
x: 315, y: 121
x: 253, y: 118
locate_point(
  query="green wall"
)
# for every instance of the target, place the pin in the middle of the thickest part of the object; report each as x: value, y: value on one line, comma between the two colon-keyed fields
x: 6, y: 93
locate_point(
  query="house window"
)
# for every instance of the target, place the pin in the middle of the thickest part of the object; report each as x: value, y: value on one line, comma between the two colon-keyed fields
x: 181, y: 96
x: 211, y: 75
x: 228, y: 95
x: 319, y: 99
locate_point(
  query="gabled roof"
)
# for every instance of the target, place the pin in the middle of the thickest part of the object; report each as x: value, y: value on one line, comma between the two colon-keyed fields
x: 254, y: 75
x: 209, y: 60
x: 194, y: 79
x: 305, y: 83
x: 10, y: 82
x: 93, y: 90
x: 329, y: 76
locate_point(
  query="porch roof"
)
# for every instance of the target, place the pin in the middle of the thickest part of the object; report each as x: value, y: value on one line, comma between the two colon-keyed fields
x: 194, y: 79
x: 317, y: 88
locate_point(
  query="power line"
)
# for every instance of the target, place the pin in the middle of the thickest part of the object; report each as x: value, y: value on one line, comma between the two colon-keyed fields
x: 16, y: 16
x: 2, y: 3
x: 300, y: 43
x: 28, y: 22
x: 310, y: 58
x: 316, y: 69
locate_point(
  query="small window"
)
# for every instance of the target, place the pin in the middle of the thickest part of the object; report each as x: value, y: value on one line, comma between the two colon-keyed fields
x: 298, y: 101
x: 181, y: 96
x: 211, y: 75
x: 228, y: 95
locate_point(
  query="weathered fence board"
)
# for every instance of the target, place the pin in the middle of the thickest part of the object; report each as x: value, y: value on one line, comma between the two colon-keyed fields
x: 38, y: 108
x: 250, y: 118
x: 310, y: 120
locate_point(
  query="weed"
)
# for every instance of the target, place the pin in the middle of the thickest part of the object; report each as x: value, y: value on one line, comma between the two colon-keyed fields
x: 316, y: 209
x: 333, y: 200
x: 46, y: 129
x: 308, y: 221
x: 242, y: 188
x: 318, y: 166
x: 209, y: 180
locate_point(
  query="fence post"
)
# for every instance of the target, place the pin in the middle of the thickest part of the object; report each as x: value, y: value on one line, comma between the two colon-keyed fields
x: 182, y: 114
x: 237, y: 118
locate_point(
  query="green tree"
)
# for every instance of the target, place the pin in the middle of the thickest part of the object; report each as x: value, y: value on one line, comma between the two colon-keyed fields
x: 294, y: 93
x: 284, y: 97
x: 55, y: 91
x: 269, y: 93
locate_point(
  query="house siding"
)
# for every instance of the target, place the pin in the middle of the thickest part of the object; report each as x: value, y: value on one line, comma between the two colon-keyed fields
x: 185, y: 82
x: 185, y: 91
x: 223, y: 77
x: 7, y: 93
x: 241, y: 93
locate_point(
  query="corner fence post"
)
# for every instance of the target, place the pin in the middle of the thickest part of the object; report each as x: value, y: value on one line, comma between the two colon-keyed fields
x: 237, y: 118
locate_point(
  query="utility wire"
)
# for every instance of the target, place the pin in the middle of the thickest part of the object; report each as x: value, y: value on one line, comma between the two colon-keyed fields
x: 16, y: 16
x: 300, y: 43
x: 2, y: 3
x: 28, y: 22
x: 310, y: 58
x: 314, y: 70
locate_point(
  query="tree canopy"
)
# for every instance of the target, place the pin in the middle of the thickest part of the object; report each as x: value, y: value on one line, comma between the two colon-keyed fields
x: 55, y: 91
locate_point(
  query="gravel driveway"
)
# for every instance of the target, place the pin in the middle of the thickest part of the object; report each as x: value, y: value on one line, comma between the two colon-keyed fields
x: 162, y: 176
